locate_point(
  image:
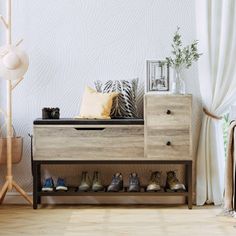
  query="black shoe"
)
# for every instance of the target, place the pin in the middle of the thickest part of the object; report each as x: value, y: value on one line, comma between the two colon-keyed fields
x: 85, y: 184
x: 134, y: 183
x: 116, y: 183
x: 97, y: 183
x: 154, y: 182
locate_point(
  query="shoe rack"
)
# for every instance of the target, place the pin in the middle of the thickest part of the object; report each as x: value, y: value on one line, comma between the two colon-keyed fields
x: 73, y: 190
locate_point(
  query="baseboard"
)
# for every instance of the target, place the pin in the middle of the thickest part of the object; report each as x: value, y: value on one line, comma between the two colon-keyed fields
x: 16, y: 198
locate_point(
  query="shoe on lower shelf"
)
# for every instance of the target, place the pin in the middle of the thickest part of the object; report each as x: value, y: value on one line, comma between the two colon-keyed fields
x: 85, y: 184
x: 173, y: 183
x: 116, y: 183
x: 154, y: 182
x: 134, y: 183
x: 97, y: 183
x: 61, y: 186
x: 48, y: 185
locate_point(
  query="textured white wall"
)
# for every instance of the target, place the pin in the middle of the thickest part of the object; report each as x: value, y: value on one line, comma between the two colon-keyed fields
x: 71, y: 43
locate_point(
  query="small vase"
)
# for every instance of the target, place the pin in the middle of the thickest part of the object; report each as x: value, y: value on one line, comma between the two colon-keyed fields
x: 178, y: 84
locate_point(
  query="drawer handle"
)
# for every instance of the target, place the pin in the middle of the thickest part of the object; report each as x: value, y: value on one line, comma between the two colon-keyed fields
x: 87, y: 128
x: 168, y: 112
x: 168, y: 143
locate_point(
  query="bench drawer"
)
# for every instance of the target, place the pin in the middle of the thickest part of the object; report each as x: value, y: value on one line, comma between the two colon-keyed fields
x: 89, y: 143
x: 168, y: 111
x: 163, y: 144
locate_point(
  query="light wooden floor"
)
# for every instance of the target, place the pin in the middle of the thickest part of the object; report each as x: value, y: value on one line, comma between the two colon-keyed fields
x: 114, y: 220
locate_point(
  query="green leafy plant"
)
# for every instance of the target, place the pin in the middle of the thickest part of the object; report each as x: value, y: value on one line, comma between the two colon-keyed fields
x: 183, y: 56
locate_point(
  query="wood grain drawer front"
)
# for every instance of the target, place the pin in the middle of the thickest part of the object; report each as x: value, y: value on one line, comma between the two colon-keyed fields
x: 164, y: 144
x: 165, y: 111
x: 89, y: 143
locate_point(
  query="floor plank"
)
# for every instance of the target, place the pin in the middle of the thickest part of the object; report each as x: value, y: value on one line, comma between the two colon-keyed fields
x: 73, y: 220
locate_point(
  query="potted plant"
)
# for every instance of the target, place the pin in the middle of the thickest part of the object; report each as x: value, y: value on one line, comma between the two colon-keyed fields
x: 182, y: 57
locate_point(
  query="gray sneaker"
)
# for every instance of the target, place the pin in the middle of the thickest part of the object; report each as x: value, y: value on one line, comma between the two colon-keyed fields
x: 97, y: 183
x: 134, y: 183
x: 85, y: 184
x: 116, y: 183
x: 154, y: 182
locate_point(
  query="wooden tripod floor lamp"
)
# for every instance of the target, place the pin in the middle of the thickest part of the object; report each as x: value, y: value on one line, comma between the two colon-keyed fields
x: 13, y: 65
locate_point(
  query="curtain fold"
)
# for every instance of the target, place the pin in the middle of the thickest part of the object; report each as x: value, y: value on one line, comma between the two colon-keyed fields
x: 216, y: 32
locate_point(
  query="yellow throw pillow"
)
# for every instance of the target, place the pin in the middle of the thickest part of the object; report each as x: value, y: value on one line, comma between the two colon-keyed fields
x: 96, y: 105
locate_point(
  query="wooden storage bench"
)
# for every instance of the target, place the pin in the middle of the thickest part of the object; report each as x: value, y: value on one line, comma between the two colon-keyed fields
x: 78, y: 141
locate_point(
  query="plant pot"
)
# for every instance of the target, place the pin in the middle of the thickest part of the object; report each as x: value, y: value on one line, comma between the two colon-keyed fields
x: 178, y: 84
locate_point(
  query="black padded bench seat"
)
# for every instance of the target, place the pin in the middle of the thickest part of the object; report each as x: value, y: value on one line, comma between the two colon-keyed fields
x: 68, y: 121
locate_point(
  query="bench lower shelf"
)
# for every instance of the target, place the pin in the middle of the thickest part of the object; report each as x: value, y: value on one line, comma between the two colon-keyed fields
x: 73, y: 191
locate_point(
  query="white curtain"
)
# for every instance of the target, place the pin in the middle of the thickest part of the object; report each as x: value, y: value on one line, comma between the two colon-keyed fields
x: 216, y: 32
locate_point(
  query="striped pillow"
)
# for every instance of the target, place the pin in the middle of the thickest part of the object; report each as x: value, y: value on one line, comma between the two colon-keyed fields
x: 124, y: 105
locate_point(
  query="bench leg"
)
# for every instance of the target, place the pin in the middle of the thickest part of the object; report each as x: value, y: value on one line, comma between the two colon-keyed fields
x: 35, y: 185
x: 190, y: 185
x: 38, y: 183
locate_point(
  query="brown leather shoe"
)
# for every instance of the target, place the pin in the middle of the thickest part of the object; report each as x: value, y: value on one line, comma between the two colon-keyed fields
x: 172, y: 182
x: 85, y: 184
x: 154, y: 182
x: 97, y: 183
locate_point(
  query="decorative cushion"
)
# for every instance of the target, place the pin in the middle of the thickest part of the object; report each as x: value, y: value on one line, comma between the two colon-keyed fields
x: 96, y: 105
x: 124, y: 105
